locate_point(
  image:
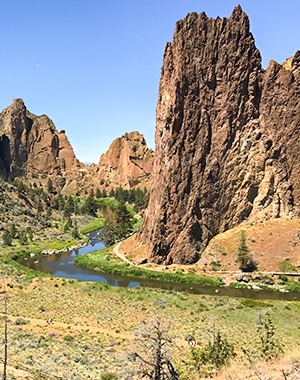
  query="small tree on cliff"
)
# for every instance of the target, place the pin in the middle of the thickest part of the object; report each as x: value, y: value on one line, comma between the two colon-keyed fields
x: 244, y: 257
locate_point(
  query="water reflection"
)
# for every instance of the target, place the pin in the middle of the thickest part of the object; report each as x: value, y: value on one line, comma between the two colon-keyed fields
x: 62, y: 265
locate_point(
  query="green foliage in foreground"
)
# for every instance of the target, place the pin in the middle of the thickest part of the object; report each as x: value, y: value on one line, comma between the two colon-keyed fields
x: 203, y: 360
x: 104, y: 261
x: 269, y: 345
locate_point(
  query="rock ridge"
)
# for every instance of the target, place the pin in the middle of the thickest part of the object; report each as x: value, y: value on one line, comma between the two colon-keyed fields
x: 31, y: 148
x: 31, y: 145
x: 227, y: 138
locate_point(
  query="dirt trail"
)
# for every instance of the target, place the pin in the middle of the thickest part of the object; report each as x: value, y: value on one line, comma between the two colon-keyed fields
x: 116, y: 251
x: 79, y: 325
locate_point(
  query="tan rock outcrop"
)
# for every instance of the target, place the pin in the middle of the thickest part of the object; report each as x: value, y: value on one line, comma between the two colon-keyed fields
x: 227, y: 138
x: 127, y: 163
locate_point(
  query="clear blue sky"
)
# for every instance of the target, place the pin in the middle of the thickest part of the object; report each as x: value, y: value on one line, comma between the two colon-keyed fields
x: 93, y: 66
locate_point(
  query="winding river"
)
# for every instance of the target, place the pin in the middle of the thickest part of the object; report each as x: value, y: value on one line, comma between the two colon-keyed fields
x: 62, y: 265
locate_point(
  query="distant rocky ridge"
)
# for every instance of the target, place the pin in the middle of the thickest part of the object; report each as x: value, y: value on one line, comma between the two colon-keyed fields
x: 32, y: 149
x: 227, y: 138
x: 128, y: 162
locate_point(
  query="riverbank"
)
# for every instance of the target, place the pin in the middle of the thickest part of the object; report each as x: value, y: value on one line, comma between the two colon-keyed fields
x: 132, y: 252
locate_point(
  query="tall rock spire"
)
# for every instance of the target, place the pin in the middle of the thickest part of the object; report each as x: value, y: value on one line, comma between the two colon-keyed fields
x: 215, y: 162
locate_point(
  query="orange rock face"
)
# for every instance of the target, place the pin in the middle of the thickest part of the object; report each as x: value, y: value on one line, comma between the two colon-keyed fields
x: 127, y: 163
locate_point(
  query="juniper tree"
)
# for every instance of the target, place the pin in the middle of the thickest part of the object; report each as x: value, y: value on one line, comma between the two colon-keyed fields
x: 269, y: 346
x: 244, y: 257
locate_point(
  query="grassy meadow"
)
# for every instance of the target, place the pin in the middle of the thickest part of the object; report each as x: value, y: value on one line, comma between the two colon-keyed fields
x: 95, y: 326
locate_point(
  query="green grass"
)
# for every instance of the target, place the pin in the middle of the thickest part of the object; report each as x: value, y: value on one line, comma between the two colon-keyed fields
x: 91, y: 306
x: 104, y: 261
x: 110, y: 202
x: 95, y: 224
x: 292, y: 286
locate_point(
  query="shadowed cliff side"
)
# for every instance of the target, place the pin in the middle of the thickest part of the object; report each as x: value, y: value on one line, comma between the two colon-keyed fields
x: 227, y: 138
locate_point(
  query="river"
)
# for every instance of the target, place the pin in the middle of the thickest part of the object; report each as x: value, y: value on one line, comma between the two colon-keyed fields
x: 62, y: 265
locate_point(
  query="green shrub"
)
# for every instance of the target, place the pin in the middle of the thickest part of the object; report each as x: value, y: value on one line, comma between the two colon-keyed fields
x: 286, y: 266
x: 20, y: 321
x: 283, y: 277
x: 68, y: 338
x: 108, y: 376
x: 268, y: 345
x: 215, y: 355
x: 252, y: 303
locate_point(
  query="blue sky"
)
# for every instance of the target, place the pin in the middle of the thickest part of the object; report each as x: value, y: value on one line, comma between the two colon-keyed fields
x: 93, y: 66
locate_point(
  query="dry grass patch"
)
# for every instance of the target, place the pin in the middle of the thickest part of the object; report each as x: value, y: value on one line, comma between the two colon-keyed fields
x: 94, y: 325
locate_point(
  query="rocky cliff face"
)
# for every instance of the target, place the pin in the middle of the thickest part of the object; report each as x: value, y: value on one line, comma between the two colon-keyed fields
x: 127, y: 163
x: 31, y: 146
x: 227, y: 138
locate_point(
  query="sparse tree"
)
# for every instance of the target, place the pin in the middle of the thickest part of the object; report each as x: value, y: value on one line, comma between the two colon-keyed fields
x: 203, y: 360
x: 269, y: 346
x: 108, y: 232
x: 117, y: 227
x: 7, y: 239
x: 68, y: 225
x: 60, y: 202
x: 22, y: 237
x: 123, y: 220
x: 75, y: 232
x: 39, y: 206
x: 244, y: 258
x: 13, y: 231
x: 153, y: 356
x: 29, y: 233
x: 69, y: 207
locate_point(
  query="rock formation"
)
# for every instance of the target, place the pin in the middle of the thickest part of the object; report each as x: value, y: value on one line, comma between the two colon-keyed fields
x: 32, y: 148
x: 227, y: 138
x: 127, y: 163
x: 30, y: 145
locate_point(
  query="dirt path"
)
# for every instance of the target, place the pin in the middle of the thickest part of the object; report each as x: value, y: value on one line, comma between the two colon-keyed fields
x: 116, y: 251
x: 79, y: 325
